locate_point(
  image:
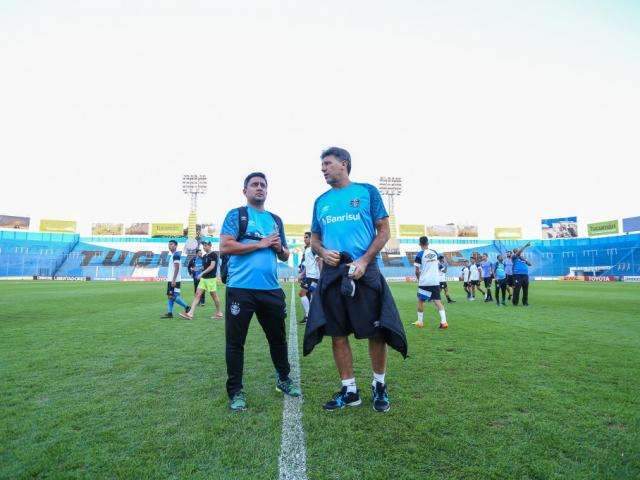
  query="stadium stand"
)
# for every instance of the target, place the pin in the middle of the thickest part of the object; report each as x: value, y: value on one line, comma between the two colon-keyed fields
x: 27, y: 254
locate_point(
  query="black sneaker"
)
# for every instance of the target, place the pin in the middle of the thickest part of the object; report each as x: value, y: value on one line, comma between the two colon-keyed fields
x: 343, y: 399
x: 187, y: 309
x: 451, y: 301
x: 167, y: 315
x: 304, y: 320
x: 380, y: 397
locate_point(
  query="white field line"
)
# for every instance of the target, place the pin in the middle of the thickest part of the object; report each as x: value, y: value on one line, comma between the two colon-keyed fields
x: 293, y: 454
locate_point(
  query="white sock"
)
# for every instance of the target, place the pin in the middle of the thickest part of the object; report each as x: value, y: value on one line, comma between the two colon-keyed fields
x: 350, y: 383
x: 377, y: 377
x: 305, y: 305
x: 443, y: 316
x: 420, y: 316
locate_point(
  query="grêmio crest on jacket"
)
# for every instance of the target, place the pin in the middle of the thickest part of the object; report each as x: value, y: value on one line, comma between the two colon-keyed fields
x: 354, y: 202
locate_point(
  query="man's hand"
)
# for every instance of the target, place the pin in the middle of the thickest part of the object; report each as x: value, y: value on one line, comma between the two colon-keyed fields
x: 360, y: 267
x: 267, y: 242
x: 277, y: 245
x: 330, y: 257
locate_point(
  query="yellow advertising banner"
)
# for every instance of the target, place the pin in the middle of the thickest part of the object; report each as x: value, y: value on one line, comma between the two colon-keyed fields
x: 413, y: 230
x: 107, y: 229
x: 507, y: 233
x: 167, y: 230
x: 296, y: 229
x: 47, y: 225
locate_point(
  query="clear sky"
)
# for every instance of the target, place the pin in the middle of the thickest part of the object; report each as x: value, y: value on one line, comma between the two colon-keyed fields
x: 495, y: 112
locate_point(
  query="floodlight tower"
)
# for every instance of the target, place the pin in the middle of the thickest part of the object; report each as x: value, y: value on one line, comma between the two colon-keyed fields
x: 193, y: 185
x: 391, y: 187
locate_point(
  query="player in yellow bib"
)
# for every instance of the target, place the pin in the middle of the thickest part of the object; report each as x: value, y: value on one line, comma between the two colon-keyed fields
x: 208, y: 282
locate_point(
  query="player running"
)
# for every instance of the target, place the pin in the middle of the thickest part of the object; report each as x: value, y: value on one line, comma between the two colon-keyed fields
x: 428, y: 275
x: 499, y: 271
x: 309, y: 274
x: 173, y: 281
x: 206, y: 283
x: 444, y: 287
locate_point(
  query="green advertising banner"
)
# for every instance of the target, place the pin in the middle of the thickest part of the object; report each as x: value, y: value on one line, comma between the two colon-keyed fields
x: 602, y: 228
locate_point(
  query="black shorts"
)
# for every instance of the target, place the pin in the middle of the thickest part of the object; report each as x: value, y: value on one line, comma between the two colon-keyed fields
x: 426, y: 294
x: 487, y: 282
x: 443, y: 285
x: 465, y: 284
x: 309, y: 284
x: 474, y: 283
x: 173, y: 291
x: 510, y: 280
x: 346, y: 315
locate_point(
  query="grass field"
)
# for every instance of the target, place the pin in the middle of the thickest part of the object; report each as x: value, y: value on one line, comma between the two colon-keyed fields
x: 93, y: 384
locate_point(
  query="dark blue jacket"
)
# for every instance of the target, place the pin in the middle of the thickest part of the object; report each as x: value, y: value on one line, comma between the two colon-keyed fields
x: 389, y: 320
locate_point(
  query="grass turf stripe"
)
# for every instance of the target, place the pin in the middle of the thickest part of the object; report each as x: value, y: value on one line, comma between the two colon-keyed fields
x: 293, y: 454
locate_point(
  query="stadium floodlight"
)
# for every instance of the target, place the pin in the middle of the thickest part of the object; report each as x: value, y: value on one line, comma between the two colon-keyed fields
x: 390, y: 187
x: 193, y: 185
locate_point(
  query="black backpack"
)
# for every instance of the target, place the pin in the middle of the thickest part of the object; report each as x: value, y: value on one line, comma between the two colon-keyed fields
x: 243, y: 221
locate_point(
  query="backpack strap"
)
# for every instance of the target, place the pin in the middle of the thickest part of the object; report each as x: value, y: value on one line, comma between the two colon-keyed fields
x: 243, y: 221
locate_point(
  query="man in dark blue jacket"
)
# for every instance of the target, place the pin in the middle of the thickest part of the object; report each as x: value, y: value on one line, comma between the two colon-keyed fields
x: 349, y: 228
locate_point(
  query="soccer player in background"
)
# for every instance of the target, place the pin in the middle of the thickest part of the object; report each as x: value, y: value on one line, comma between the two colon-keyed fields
x: 173, y: 280
x: 428, y: 276
x: 508, y: 269
x: 474, y: 277
x: 487, y: 276
x: 309, y: 275
x: 465, y: 277
x: 194, y: 267
x: 252, y: 287
x: 499, y: 271
x: 207, y: 282
x: 350, y: 226
x: 521, y: 276
x: 444, y: 286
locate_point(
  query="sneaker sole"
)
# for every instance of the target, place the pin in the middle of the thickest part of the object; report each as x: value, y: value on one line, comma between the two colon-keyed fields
x: 352, y: 404
x: 238, y: 409
x: 282, y: 391
x: 185, y: 316
x: 382, y: 411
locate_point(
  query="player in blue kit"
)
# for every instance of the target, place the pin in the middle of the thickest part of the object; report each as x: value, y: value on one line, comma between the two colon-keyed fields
x: 350, y: 226
x: 254, y: 240
x: 173, y: 280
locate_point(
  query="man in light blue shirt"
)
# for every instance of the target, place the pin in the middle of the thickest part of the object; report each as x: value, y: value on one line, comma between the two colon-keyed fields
x: 487, y: 276
x: 350, y: 226
x: 253, y: 239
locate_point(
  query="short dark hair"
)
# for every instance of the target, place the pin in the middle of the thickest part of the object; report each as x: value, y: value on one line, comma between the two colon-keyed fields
x: 307, y: 233
x: 440, y: 257
x: 340, y: 153
x: 423, y: 240
x: 174, y: 242
x: 254, y: 174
